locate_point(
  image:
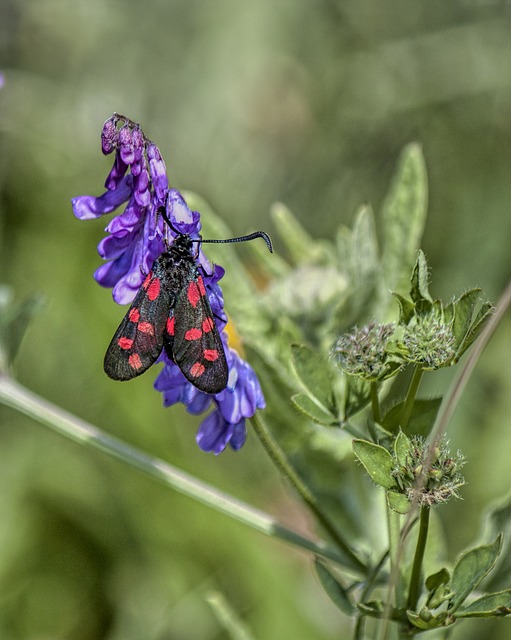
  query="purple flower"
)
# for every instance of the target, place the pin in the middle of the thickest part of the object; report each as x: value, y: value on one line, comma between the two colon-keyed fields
x: 136, y: 237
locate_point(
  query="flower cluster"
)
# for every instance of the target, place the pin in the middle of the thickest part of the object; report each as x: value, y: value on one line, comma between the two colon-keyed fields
x: 429, y: 475
x: 429, y: 342
x: 136, y: 237
x: 363, y: 352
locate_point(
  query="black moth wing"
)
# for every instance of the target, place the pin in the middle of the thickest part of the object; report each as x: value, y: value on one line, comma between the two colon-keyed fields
x: 138, y: 341
x: 193, y: 341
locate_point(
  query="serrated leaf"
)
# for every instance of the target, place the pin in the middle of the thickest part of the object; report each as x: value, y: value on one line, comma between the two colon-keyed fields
x: 398, y: 502
x: 421, y: 421
x: 488, y: 606
x: 471, y: 568
x: 403, y: 216
x: 377, y: 461
x: 334, y: 588
x: 315, y: 374
x: 312, y: 410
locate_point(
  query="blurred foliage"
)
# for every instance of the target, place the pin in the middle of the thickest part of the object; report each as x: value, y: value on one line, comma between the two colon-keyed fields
x: 306, y: 103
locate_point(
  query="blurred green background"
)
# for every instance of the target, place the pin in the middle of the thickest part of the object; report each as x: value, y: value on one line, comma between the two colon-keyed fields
x: 305, y: 102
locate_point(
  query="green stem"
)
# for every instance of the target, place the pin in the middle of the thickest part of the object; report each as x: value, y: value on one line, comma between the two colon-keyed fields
x: 414, y: 591
x: 375, y: 402
x: 18, y: 397
x: 280, y: 460
x: 410, y: 396
x: 358, y: 633
x: 394, y: 528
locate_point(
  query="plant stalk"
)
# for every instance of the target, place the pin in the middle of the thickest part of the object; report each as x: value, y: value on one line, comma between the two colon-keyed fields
x: 414, y: 591
x: 280, y: 460
x: 18, y: 397
x: 410, y: 397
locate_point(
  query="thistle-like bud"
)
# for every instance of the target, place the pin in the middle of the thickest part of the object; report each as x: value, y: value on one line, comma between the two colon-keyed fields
x: 429, y: 342
x: 430, y: 476
x: 363, y: 351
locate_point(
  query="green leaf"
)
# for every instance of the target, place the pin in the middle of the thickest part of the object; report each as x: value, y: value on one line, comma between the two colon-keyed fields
x: 439, y: 589
x: 421, y: 421
x: 365, y: 266
x: 316, y: 375
x: 463, y: 312
x: 467, y: 322
x: 496, y: 518
x: 14, y: 320
x: 302, y: 247
x: 404, y: 216
x: 378, y: 609
x: 419, y: 290
x: 313, y: 410
x: 333, y: 588
x: 437, y: 579
x: 471, y: 568
x: 406, y: 308
x: 488, y: 606
x: 357, y: 395
x: 377, y: 461
x: 398, y: 502
x: 424, y: 621
x: 401, y: 448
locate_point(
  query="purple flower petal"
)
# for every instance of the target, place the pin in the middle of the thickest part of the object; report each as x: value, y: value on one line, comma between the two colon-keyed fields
x: 90, y: 207
x: 117, y: 172
x: 214, y: 433
x: 239, y: 435
x: 158, y: 172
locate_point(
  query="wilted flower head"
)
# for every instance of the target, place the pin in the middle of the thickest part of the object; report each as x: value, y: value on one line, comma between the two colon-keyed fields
x: 428, y: 475
x: 136, y: 237
x: 363, y: 351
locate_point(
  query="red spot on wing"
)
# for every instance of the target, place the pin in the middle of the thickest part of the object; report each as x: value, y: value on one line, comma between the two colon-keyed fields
x: 125, y: 343
x: 207, y: 325
x: 134, y: 361
x: 197, y: 370
x: 211, y: 354
x: 193, y: 334
x: 153, y: 290
x: 170, y: 326
x: 200, y: 285
x: 147, y: 280
x: 194, y: 295
x: 134, y: 315
x: 146, y: 327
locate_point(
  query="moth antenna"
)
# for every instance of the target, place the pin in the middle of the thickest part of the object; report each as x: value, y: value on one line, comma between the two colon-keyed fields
x: 250, y: 236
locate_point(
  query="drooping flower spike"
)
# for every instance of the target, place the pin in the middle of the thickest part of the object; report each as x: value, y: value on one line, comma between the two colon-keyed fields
x: 136, y: 239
